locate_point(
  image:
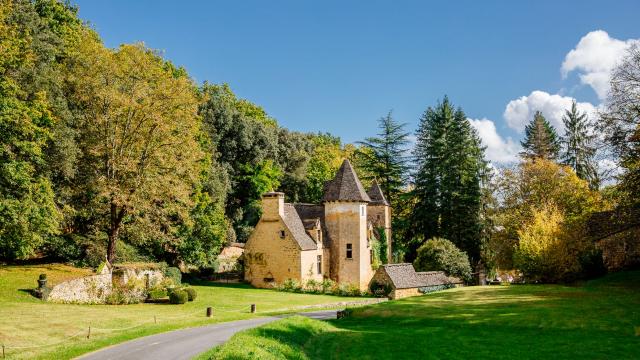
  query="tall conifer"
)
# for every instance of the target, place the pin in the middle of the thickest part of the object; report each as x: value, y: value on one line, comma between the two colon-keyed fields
x: 450, y: 169
x: 385, y: 157
x: 541, y: 139
x: 578, y: 149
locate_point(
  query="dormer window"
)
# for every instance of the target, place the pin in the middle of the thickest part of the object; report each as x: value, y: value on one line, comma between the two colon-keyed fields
x: 282, y: 234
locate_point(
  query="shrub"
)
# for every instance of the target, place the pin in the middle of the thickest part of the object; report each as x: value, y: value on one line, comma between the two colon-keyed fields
x: 192, y: 293
x: 291, y: 285
x: 178, y: 296
x: 328, y: 286
x: 174, y: 274
x: 441, y: 254
x: 313, y: 286
x: 379, y: 289
x: 124, y: 295
x: 349, y: 290
x: 157, y: 293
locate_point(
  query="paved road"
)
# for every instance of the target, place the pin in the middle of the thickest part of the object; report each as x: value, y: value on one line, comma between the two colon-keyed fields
x: 186, y: 343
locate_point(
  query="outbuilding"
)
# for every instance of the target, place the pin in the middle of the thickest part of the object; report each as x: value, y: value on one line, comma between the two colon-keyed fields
x: 401, y: 280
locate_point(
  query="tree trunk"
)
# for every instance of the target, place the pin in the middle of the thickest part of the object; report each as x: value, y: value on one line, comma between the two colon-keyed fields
x: 114, y: 228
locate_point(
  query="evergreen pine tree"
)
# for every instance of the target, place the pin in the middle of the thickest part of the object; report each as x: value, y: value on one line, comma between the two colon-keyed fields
x: 578, y: 152
x: 450, y: 169
x: 541, y: 139
x: 384, y: 157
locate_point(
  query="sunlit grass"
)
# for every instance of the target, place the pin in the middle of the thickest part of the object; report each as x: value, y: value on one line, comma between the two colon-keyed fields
x: 30, y: 328
x: 595, y: 320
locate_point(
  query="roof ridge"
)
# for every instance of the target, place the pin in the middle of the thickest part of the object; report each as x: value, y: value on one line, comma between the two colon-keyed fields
x: 345, y: 186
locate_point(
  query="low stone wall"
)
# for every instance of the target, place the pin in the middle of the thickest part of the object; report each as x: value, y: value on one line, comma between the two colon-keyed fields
x: 402, y: 293
x: 87, y: 290
x: 94, y: 289
x: 145, y: 278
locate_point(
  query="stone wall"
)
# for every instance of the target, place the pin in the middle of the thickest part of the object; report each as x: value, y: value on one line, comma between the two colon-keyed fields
x: 95, y: 288
x: 402, y: 293
x: 270, y: 258
x: 87, y: 290
x: 621, y: 251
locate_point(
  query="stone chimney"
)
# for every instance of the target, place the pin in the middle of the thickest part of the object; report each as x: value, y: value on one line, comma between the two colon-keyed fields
x: 272, y: 206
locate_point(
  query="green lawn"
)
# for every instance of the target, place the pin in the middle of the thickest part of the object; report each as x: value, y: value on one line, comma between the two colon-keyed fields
x: 32, y: 329
x: 597, y: 320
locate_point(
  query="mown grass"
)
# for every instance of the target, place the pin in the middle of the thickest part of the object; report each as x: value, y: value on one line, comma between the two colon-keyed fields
x: 596, y: 320
x: 32, y: 329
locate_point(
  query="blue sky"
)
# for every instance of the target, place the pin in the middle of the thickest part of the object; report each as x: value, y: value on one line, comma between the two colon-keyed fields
x: 338, y: 66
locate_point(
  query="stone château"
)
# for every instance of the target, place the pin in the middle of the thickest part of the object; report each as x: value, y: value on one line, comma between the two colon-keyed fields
x: 318, y: 241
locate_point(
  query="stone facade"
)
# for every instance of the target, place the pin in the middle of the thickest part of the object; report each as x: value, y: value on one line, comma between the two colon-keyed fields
x: 308, y: 241
x: 272, y: 254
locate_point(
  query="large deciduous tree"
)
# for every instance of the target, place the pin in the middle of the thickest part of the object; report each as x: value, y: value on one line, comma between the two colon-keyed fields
x: 620, y: 121
x: 139, y: 127
x: 450, y: 168
x: 540, y: 139
x: 578, y: 146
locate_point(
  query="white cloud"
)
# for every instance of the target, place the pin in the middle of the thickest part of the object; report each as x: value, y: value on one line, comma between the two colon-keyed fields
x: 594, y: 57
x: 498, y: 150
x: 519, y: 112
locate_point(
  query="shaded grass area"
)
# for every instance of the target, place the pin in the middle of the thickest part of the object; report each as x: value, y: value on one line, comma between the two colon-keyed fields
x: 32, y: 329
x: 599, y: 319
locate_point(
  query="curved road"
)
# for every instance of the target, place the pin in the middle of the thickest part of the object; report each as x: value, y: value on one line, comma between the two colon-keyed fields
x: 187, y: 343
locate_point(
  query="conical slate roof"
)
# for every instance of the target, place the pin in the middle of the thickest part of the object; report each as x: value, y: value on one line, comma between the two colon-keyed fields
x: 376, y: 194
x: 345, y: 186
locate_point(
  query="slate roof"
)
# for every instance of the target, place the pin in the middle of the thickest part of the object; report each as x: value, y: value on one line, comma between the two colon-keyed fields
x: 404, y: 276
x: 294, y: 224
x: 376, y: 195
x: 310, y: 215
x: 432, y: 278
x: 345, y: 186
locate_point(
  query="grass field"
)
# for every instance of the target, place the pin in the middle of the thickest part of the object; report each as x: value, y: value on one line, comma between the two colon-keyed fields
x: 32, y: 329
x: 596, y: 320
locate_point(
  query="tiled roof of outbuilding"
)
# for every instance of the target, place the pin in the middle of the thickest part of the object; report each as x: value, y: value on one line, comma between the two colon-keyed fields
x: 376, y: 195
x: 404, y: 276
x: 432, y: 278
x: 294, y: 224
x: 345, y: 186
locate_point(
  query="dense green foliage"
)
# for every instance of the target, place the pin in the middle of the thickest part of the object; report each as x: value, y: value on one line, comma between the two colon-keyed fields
x: 442, y: 255
x: 540, y: 139
x: 118, y: 153
x: 598, y: 319
x: 450, y: 168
